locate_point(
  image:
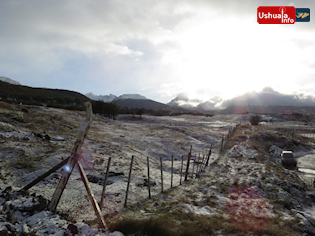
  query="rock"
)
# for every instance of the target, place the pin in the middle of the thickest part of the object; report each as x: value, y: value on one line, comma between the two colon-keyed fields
x: 25, y: 229
x: 11, y: 219
x: 10, y: 228
x: 73, y: 229
x: 111, y: 173
x: 42, y: 203
x: 44, y: 136
x: 145, y: 183
x: 305, y: 223
x: 116, y: 233
x: 58, y: 139
x: 98, y: 179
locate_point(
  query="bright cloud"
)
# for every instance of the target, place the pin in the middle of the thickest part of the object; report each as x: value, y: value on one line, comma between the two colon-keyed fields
x: 156, y: 48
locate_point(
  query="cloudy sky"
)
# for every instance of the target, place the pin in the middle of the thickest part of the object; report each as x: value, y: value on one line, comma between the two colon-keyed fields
x: 204, y: 49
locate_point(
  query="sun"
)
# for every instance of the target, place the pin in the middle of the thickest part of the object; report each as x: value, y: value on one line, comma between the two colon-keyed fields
x: 231, y: 56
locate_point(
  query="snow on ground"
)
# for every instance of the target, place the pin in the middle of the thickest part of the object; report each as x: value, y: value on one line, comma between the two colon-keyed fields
x: 33, y: 142
x: 26, y: 152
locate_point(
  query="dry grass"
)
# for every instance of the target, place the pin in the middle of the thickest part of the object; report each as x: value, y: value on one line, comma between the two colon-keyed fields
x: 174, y: 224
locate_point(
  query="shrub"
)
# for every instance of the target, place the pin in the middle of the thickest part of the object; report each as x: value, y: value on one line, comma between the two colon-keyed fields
x: 254, y: 120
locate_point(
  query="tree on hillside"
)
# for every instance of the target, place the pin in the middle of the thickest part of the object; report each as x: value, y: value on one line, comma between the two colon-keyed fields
x: 109, y: 110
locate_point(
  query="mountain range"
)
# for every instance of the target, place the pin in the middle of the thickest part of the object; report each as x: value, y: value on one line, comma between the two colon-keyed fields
x: 266, y: 101
x: 130, y: 101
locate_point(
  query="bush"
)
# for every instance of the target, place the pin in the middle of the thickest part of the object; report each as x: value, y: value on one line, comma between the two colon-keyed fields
x: 254, y: 120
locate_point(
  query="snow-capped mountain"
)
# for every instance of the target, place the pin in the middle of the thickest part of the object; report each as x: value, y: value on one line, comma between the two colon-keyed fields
x: 104, y: 98
x: 131, y: 96
x: 111, y: 97
x: 8, y: 80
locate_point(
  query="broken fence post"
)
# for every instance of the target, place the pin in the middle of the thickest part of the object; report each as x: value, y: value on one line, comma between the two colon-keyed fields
x: 129, y: 177
x: 105, y: 181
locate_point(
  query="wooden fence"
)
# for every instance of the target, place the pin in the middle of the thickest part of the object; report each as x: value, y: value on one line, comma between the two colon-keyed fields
x: 225, y: 139
x: 189, y: 169
x: 191, y: 165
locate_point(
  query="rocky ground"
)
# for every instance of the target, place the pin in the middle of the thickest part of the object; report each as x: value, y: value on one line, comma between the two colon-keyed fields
x: 244, y: 191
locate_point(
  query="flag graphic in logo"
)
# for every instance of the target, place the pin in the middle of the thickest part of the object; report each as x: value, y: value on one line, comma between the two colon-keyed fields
x: 302, y: 15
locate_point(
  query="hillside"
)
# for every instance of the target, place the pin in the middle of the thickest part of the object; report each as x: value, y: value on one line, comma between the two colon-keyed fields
x: 141, y: 103
x: 41, y: 96
x: 245, y: 190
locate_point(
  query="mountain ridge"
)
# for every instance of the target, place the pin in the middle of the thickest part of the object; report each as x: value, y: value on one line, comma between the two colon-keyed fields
x: 267, y: 101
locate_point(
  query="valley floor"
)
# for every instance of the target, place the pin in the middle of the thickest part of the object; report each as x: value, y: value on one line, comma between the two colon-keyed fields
x: 243, y: 191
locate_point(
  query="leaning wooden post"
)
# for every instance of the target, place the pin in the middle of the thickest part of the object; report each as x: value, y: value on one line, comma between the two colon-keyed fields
x: 161, y: 174
x: 181, y: 171
x: 129, y: 177
x: 172, y: 171
x: 105, y: 181
x: 187, y: 167
x: 149, y: 182
x: 43, y: 176
x: 96, y: 207
x: 73, y: 159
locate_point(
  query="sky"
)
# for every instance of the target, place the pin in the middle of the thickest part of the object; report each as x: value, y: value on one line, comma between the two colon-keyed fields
x: 202, y: 49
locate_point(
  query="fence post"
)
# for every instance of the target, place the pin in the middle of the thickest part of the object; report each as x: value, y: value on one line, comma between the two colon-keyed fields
x: 199, y: 165
x: 209, y: 154
x: 129, y: 177
x: 149, y: 182
x: 193, y: 170
x: 161, y: 174
x: 181, y: 171
x: 202, y: 163
x: 221, y: 148
x: 187, y: 167
x: 172, y: 171
x: 105, y: 181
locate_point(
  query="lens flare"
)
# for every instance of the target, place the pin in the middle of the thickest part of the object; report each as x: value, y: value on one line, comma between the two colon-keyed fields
x: 67, y: 168
x: 247, y: 210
